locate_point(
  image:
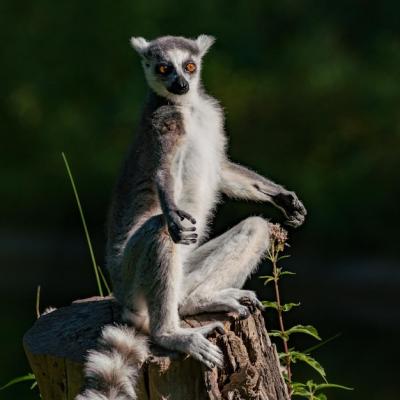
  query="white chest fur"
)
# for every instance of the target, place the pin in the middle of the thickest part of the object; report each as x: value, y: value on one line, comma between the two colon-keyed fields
x: 197, y: 165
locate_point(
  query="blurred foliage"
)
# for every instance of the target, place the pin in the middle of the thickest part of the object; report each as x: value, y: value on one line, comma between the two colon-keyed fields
x: 310, y: 88
x: 311, y: 91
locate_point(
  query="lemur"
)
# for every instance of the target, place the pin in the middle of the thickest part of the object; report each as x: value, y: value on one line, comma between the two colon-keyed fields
x: 161, y: 265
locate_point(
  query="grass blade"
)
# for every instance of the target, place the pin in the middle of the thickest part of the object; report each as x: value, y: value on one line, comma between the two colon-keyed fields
x: 103, y: 278
x: 27, y: 377
x: 318, y: 345
x: 96, y: 272
x: 38, y: 302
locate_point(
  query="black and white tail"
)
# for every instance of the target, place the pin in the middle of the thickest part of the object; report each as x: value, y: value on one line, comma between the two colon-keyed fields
x: 112, y: 370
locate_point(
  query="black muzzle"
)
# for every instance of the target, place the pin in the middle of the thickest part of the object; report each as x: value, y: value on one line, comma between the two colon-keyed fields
x: 179, y: 86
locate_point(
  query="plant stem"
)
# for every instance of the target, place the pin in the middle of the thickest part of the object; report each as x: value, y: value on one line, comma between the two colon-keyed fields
x: 38, y: 302
x: 274, y: 257
x: 96, y: 272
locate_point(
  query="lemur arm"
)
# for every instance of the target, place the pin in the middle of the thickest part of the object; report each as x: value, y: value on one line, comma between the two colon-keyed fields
x: 168, y: 128
x: 242, y: 183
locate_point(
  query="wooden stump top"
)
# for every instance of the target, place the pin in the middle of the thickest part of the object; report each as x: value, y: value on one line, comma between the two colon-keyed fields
x: 57, y: 343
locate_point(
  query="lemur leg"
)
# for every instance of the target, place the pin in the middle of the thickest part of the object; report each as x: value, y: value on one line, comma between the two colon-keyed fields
x: 153, y: 270
x: 215, y: 272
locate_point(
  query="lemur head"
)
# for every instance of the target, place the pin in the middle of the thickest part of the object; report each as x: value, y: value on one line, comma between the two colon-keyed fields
x: 172, y: 63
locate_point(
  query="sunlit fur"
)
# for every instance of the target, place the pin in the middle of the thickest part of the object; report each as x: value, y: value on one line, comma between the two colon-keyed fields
x: 111, y: 370
x: 177, y: 163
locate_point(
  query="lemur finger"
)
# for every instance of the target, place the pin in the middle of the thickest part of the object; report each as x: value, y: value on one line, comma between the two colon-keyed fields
x: 209, y: 364
x: 208, y: 356
x: 298, y: 217
x: 217, y: 326
x: 220, y: 329
x: 210, y: 328
x: 253, y: 299
x: 300, y: 207
x: 187, y: 242
x: 295, y: 220
x: 292, y: 222
x: 213, y: 351
x: 213, y: 355
x: 244, y: 312
x: 188, y: 239
x: 184, y: 215
x: 189, y: 229
x: 189, y: 236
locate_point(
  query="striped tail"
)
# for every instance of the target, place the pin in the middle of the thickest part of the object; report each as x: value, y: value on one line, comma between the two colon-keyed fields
x: 112, y: 370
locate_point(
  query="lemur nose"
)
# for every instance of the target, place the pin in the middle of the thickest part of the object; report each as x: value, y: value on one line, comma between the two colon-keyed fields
x: 183, y: 85
x: 179, y: 86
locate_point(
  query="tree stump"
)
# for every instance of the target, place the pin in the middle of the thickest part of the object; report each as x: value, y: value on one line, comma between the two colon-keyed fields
x: 57, y: 343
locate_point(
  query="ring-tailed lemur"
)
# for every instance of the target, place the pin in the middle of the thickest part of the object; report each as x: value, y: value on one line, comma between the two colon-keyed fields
x: 160, y: 263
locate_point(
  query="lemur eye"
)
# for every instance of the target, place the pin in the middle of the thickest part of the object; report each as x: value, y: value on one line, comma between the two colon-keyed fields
x: 163, y: 69
x: 190, y: 67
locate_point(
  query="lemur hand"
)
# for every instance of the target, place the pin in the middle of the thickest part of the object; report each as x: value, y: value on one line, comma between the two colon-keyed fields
x: 291, y: 206
x: 179, y: 233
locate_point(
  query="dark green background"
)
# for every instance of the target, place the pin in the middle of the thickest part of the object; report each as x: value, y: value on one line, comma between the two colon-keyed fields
x: 311, y: 91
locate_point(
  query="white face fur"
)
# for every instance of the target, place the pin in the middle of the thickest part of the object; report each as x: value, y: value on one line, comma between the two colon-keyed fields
x: 172, y: 64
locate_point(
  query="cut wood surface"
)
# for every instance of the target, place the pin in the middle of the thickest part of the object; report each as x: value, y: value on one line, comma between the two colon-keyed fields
x: 57, y: 343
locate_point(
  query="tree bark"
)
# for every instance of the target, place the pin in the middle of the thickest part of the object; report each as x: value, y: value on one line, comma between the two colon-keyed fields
x: 57, y: 343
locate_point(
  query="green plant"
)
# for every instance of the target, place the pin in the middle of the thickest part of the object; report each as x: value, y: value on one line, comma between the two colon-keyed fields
x: 29, y: 376
x: 290, y: 355
x: 20, y: 379
x: 97, y: 270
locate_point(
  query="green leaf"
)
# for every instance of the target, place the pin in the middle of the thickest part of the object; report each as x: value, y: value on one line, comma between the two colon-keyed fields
x: 285, y: 307
x: 288, y: 306
x: 266, y: 276
x: 300, y: 389
x: 288, y: 273
x: 307, y: 329
x: 283, y: 257
x: 296, y: 385
x: 298, y: 356
x: 311, y: 385
x: 268, y: 279
x: 320, y: 396
x: 27, y: 377
x: 270, y: 304
x: 34, y: 384
x: 331, y: 385
x: 280, y: 334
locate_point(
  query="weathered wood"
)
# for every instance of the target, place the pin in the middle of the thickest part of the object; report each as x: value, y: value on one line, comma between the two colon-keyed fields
x: 57, y: 343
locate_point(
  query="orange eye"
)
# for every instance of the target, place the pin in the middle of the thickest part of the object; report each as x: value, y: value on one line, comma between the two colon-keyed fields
x: 190, y: 67
x: 163, y: 69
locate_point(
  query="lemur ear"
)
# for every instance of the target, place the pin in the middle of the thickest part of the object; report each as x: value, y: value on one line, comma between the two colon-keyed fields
x: 204, y: 42
x: 139, y: 44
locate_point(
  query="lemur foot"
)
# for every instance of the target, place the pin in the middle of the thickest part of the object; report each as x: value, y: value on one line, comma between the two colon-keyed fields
x: 204, y: 351
x: 192, y: 341
x: 246, y: 301
x: 250, y: 300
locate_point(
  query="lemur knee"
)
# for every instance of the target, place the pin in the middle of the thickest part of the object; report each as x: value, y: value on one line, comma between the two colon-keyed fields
x: 256, y: 226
